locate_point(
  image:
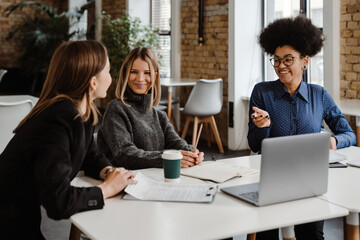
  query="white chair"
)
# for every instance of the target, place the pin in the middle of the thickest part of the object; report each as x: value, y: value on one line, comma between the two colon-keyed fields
x: 2, y: 73
x: 11, y: 114
x: 204, y: 102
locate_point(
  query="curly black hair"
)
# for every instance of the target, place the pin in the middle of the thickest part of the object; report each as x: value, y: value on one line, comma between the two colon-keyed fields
x: 298, y: 33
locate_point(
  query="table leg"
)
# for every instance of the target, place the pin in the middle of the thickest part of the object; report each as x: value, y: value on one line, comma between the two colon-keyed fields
x: 74, y: 233
x: 251, y: 236
x: 358, y: 131
x: 288, y: 233
x: 351, y: 227
x: 169, y: 102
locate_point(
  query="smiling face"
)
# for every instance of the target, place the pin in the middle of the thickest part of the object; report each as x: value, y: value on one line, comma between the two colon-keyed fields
x: 140, y: 77
x: 290, y: 75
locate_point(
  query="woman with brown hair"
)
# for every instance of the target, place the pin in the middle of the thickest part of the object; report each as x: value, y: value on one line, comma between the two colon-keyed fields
x: 54, y: 142
x: 134, y: 133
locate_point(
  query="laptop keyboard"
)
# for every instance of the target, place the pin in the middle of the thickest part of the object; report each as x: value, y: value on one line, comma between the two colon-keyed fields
x: 252, y: 196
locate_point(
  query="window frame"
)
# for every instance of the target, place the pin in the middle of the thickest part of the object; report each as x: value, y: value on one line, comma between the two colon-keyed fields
x: 304, y: 8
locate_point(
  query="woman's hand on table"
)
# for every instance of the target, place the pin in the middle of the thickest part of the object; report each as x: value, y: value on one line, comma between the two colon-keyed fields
x: 333, y: 143
x: 191, y: 158
x: 116, y: 180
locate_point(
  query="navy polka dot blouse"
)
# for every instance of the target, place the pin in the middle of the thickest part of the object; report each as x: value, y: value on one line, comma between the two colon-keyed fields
x: 300, y: 114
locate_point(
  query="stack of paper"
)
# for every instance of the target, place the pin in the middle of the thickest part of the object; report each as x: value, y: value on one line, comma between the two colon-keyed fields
x: 149, y: 189
x: 336, y: 157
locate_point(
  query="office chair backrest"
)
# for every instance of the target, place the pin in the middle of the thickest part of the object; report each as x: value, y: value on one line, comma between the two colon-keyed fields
x: 2, y: 73
x: 205, y: 99
x: 11, y: 113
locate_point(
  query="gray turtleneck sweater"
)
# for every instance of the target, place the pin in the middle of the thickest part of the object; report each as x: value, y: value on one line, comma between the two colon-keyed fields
x: 133, y: 137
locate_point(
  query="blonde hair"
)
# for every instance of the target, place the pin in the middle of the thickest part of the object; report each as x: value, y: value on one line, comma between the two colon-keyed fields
x: 71, y: 68
x: 148, y: 56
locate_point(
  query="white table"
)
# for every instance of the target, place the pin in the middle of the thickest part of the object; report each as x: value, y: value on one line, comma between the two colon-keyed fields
x: 225, y: 217
x: 344, y: 190
x: 170, y: 83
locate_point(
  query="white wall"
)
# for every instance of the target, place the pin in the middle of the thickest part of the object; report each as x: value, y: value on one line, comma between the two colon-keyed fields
x: 245, y: 64
x: 176, y: 38
x: 139, y: 9
x: 331, y: 30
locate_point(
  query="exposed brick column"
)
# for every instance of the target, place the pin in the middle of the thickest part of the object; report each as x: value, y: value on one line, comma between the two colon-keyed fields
x: 350, y: 49
x: 210, y: 60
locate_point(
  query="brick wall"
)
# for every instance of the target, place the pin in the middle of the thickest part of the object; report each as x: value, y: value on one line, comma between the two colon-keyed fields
x: 350, y: 49
x: 114, y: 7
x: 9, y: 53
x: 210, y: 60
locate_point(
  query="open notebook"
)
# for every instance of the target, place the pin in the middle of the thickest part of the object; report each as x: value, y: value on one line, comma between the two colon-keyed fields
x: 218, y: 172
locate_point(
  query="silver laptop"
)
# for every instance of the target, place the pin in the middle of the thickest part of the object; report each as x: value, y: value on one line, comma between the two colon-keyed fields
x: 292, y: 167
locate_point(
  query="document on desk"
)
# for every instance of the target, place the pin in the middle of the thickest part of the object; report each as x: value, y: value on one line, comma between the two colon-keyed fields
x: 336, y: 157
x: 218, y: 172
x: 149, y: 189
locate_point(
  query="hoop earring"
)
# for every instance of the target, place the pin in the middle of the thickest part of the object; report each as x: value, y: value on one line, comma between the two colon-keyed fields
x: 304, y: 67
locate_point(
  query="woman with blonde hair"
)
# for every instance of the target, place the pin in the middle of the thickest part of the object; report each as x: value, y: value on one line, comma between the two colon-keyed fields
x: 133, y: 133
x: 54, y: 142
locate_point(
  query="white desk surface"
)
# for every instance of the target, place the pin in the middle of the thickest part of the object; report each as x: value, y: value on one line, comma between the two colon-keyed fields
x: 172, y: 82
x: 13, y: 98
x: 343, y: 185
x: 225, y: 217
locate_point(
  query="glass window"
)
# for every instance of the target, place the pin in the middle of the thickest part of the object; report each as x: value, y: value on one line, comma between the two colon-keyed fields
x: 161, y: 21
x: 275, y: 9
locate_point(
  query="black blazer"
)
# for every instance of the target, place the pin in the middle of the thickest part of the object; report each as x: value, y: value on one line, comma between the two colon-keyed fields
x: 37, y: 166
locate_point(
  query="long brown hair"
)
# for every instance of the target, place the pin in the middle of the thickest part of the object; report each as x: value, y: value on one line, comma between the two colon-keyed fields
x: 147, y: 55
x: 71, y: 68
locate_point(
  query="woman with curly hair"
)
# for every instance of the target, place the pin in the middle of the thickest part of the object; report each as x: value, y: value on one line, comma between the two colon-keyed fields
x: 290, y: 106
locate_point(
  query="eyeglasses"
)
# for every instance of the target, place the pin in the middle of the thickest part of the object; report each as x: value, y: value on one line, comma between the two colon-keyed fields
x: 287, y: 61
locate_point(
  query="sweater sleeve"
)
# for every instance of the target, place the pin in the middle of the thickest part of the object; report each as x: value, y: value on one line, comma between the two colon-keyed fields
x: 53, y: 167
x: 172, y: 139
x: 116, y: 136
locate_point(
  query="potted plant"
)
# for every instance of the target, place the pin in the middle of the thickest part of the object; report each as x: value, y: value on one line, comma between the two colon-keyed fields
x: 38, y: 35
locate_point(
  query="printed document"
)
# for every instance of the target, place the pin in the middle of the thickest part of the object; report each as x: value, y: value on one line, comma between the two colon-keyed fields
x: 147, y: 188
x: 336, y: 157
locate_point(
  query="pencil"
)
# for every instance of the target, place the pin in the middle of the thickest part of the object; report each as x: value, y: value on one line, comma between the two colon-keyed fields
x: 198, y: 137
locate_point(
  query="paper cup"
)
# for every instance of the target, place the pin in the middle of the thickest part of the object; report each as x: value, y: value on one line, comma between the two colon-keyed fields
x: 172, y: 165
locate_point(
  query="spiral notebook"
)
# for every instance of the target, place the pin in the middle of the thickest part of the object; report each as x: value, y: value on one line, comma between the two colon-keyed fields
x: 147, y: 188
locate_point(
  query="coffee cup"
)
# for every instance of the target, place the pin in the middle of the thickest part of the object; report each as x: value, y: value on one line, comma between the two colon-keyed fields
x: 172, y: 165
